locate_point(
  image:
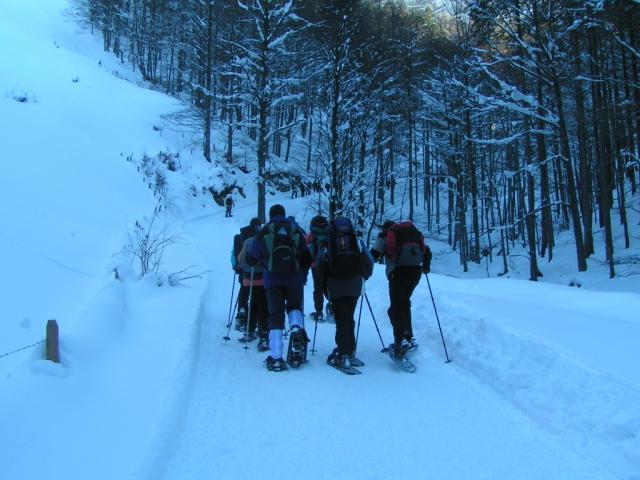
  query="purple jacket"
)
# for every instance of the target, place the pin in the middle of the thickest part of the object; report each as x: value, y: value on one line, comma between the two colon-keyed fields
x: 258, y: 254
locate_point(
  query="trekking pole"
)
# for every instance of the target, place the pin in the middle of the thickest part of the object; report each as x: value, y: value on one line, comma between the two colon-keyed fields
x: 246, y: 329
x: 315, y: 330
x: 235, y: 307
x: 438, y: 319
x: 355, y: 347
x: 233, y: 289
x: 374, y: 321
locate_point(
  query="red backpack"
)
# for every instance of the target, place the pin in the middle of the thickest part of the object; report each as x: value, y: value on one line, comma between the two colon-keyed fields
x: 404, y: 244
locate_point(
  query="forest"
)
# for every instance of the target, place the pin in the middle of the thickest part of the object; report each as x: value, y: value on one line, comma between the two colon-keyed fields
x: 498, y: 124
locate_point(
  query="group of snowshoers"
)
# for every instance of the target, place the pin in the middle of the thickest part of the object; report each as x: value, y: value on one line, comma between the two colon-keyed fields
x: 273, y: 260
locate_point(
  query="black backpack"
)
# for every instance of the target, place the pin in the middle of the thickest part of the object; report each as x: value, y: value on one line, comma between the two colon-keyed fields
x: 282, y: 240
x: 229, y: 202
x: 343, y: 250
x: 319, y: 229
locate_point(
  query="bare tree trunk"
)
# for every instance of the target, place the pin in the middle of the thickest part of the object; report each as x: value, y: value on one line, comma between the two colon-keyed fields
x: 571, y: 184
x: 207, y: 94
x: 471, y: 165
x: 585, y: 169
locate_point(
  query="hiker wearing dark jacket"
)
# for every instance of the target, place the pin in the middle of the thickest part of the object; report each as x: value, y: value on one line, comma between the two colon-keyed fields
x: 243, y: 295
x: 229, y: 203
x: 316, y: 240
x: 281, y: 249
x: 257, y: 312
x: 342, y: 281
x: 406, y: 257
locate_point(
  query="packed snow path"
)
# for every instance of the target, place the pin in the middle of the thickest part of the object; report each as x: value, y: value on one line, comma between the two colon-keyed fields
x: 314, y: 422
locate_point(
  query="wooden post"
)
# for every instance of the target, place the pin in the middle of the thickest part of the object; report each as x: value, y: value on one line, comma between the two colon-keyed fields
x: 53, y: 350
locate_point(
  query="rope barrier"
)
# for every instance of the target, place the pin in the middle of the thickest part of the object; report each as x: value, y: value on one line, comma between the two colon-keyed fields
x: 23, y: 348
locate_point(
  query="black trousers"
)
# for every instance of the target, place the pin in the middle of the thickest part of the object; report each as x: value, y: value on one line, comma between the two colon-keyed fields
x: 318, y: 296
x: 243, y: 296
x: 402, y: 283
x: 281, y: 300
x: 343, y: 310
x: 259, y: 312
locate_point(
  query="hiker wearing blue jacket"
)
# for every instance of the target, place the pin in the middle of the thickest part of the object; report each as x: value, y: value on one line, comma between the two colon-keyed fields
x: 280, y: 247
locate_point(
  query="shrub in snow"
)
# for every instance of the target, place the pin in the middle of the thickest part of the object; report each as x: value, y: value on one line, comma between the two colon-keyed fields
x: 147, y: 243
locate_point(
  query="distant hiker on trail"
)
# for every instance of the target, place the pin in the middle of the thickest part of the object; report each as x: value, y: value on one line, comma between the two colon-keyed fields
x: 229, y: 204
x: 281, y: 249
x: 294, y: 192
x: 252, y: 280
x: 316, y: 240
x: 243, y: 295
x: 406, y: 257
x: 343, y: 264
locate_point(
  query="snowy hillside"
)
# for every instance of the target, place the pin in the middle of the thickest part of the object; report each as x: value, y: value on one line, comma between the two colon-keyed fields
x: 544, y: 381
x: 67, y: 200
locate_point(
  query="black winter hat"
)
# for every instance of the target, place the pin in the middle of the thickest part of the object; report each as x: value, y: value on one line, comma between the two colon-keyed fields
x: 387, y: 225
x: 276, y: 210
x: 319, y: 221
x: 255, y: 222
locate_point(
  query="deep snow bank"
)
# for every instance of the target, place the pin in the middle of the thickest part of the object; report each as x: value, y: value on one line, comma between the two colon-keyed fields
x: 67, y: 198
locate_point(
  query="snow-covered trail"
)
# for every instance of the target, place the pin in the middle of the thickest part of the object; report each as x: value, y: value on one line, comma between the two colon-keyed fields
x: 442, y: 422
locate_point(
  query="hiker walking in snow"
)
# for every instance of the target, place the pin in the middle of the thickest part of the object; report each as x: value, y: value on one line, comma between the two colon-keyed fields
x: 406, y: 257
x: 252, y: 280
x: 229, y: 204
x: 316, y: 240
x: 243, y: 294
x: 281, y: 249
x: 343, y: 264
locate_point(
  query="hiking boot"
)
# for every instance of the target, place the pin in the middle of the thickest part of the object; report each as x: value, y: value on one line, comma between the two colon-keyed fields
x: 334, y: 357
x: 275, y: 365
x: 339, y: 360
x: 408, y: 345
x: 329, y: 314
x: 395, y: 350
x: 263, y: 344
x: 241, y: 320
x: 345, y: 361
x: 355, y: 362
x: 316, y: 317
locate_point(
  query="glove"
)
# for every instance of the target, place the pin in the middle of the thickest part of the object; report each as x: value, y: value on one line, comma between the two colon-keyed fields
x: 426, y: 263
x: 252, y: 262
x: 306, y: 260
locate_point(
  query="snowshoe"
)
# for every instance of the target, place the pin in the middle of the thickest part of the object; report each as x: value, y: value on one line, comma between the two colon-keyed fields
x: 250, y: 337
x: 263, y: 344
x: 399, y: 358
x: 355, y: 362
x: 342, y: 363
x: 316, y: 317
x: 275, y: 365
x: 328, y: 314
x: 241, y: 320
x: 297, y: 350
x: 408, y: 346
